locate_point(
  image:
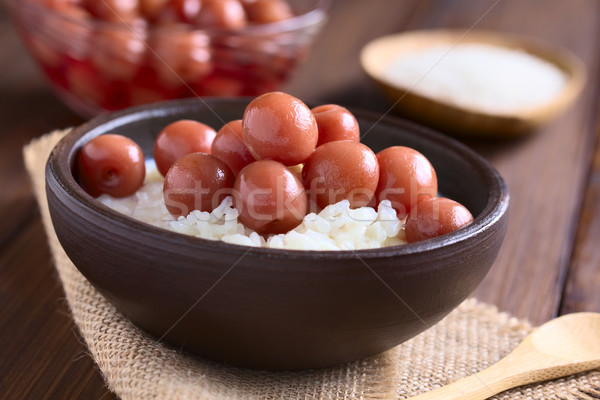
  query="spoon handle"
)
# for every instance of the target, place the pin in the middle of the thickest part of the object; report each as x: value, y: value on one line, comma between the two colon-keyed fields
x: 564, y: 346
x: 478, y: 386
x: 524, y: 365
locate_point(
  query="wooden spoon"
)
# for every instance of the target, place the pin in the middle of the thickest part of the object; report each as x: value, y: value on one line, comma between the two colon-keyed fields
x: 564, y: 346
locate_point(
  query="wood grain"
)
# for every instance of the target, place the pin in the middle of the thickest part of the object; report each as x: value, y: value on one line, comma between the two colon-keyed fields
x: 41, y: 353
x: 583, y: 280
x: 545, y: 173
x: 333, y: 62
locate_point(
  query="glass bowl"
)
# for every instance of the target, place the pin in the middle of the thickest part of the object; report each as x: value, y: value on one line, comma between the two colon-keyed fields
x: 96, y: 65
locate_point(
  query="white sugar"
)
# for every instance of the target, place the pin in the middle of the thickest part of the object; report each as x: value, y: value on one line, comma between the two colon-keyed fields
x: 482, y: 77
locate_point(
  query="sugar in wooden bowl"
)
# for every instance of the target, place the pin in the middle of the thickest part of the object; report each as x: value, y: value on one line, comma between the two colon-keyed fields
x: 483, y: 84
x: 481, y: 77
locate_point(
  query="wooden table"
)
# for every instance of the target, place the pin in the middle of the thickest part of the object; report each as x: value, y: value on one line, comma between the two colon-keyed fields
x: 549, y: 264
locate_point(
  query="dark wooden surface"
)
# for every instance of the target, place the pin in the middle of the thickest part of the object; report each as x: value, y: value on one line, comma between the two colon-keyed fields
x: 549, y: 264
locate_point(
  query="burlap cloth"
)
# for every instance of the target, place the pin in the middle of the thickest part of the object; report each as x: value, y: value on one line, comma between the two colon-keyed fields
x: 136, y: 367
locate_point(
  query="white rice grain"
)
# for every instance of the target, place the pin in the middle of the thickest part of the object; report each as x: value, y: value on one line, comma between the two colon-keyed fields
x: 336, y: 227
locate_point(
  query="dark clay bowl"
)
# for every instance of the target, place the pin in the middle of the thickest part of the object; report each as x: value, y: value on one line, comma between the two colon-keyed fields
x: 268, y: 308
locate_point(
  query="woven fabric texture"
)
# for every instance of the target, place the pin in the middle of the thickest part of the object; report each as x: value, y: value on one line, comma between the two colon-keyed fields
x: 135, y: 366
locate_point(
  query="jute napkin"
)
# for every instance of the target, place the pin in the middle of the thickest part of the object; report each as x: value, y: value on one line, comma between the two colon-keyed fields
x: 136, y: 367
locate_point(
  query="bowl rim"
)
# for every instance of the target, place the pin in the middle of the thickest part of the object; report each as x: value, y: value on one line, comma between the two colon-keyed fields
x: 60, y: 160
x: 315, y: 16
x: 573, y: 67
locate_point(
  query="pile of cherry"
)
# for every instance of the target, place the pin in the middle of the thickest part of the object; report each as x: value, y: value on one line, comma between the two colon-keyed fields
x: 229, y: 14
x: 280, y: 161
x: 143, y: 51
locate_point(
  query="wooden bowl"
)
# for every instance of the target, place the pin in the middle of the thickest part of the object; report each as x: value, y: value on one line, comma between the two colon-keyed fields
x: 271, y: 308
x: 378, y: 54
